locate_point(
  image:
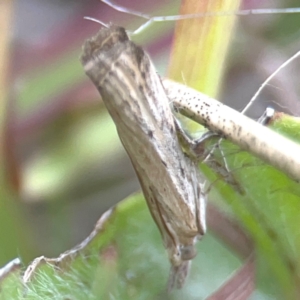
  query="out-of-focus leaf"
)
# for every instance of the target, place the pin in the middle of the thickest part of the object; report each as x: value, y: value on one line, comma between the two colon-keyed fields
x: 89, y: 138
x: 200, y: 47
x: 201, y: 44
x: 13, y: 234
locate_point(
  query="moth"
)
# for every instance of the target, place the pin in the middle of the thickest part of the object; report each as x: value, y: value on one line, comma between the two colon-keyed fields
x: 136, y: 100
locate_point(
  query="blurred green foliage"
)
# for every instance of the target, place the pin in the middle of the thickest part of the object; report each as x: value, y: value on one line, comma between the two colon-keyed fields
x: 70, y: 167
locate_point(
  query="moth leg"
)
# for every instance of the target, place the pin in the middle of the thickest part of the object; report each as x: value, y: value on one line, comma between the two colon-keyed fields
x: 195, y: 148
x: 266, y: 116
x: 224, y: 171
x: 224, y: 174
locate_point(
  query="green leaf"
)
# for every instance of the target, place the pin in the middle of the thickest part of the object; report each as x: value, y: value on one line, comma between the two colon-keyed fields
x: 268, y: 207
x: 123, y: 258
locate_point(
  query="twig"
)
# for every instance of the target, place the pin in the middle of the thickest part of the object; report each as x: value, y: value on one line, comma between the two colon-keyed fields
x: 251, y: 136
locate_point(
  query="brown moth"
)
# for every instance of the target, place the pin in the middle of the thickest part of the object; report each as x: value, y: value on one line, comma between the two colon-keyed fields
x: 136, y: 100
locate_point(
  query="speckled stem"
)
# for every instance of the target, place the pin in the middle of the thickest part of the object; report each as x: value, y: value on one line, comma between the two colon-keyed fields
x: 251, y: 136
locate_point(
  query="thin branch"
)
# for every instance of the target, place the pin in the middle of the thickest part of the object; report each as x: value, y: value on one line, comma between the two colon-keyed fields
x: 251, y: 136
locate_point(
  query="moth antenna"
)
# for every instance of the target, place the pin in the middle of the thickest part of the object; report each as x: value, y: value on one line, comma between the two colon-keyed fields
x: 266, y: 82
x: 153, y: 19
x: 96, y: 20
x: 126, y: 10
x: 283, y: 107
x: 263, y: 85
